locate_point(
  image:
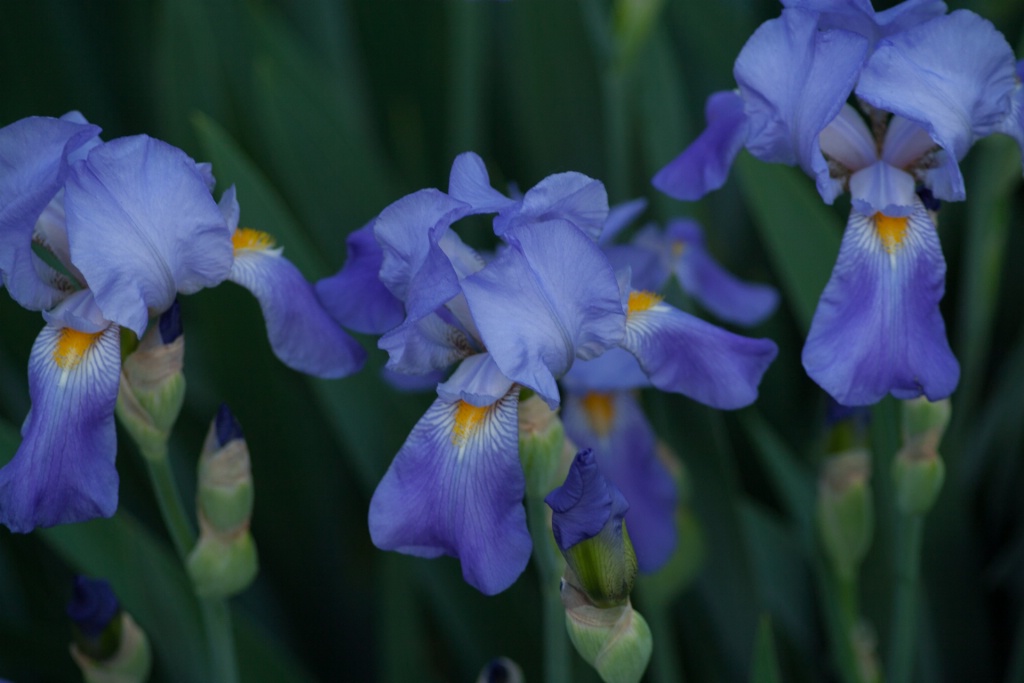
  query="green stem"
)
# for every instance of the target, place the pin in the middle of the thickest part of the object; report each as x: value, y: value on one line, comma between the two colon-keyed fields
x: 214, y: 611
x: 557, y: 658
x: 665, y: 664
x: 908, y: 559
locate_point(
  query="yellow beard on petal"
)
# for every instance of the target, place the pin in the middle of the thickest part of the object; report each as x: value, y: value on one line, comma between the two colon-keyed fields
x: 467, y: 419
x: 600, y: 410
x: 72, y: 347
x: 247, y: 238
x: 641, y: 300
x: 891, y: 231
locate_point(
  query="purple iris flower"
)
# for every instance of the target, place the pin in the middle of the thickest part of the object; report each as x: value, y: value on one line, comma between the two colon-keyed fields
x: 517, y: 318
x: 920, y: 107
x: 98, y: 237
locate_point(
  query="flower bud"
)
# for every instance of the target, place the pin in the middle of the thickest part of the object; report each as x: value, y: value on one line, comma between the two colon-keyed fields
x: 501, y: 670
x: 918, y: 471
x: 222, y: 566
x: 541, y: 438
x: 845, y: 512
x: 153, y: 385
x: 616, y: 641
x: 587, y: 522
x: 107, y: 645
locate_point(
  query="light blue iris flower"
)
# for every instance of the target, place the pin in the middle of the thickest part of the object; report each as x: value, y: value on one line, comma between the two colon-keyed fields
x: 921, y: 103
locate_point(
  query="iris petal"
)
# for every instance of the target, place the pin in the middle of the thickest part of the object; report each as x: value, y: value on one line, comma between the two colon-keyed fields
x: 64, y: 469
x: 470, y: 183
x: 878, y: 329
x: 456, y: 488
x: 571, y: 197
x: 301, y: 332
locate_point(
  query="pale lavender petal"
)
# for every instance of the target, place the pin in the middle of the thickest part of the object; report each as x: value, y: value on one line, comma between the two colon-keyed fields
x: 422, y: 346
x: 143, y: 227
x: 79, y: 311
x: 549, y: 298
x: 615, y: 427
x: 1013, y: 124
x: 847, y: 140
x: 614, y: 370
x: 878, y: 329
x: 355, y: 296
x: 860, y: 16
x: 456, y: 488
x: 64, y: 469
x: 794, y: 80
x: 957, y: 95
x: 704, y: 165
x: 477, y: 381
x: 620, y: 216
x: 33, y: 166
x: 571, y: 197
x: 883, y: 188
x: 303, y: 336
x: 683, y: 354
x: 470, y: 183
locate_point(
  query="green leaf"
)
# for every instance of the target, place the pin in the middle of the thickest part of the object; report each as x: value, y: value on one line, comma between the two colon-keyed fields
x: 766, y: 664
x: 799, y: 232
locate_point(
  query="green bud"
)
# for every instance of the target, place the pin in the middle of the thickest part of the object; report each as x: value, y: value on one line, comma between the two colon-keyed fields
x: 845, y: 510
x: 225, y: 491
x: 603, y: 567
x: 152, y: 391
x: 221, y: 567
x: 131, y: 662
x: 616, y: 641
x: 541, y: 439
x: 917, y: 470
x: 925, y: 422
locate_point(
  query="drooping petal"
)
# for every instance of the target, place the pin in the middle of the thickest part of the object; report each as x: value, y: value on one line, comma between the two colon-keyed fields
x: 1013, y: 124
x: 470, y: 183
x: 623, y: 441
x: 956, y: 95
x: 614, y: 370
x: 143, y: 227
x: 878, y: 329
x: 550, y: 297
x: 684, y: 354
x: 717, y: 290
x: 704, y: 165
x: 355, y: 296
x: 456, y: 488
x: 794, y: 80
x: 33, y: 166
x: 571, y: 197
x: 302, y: 334
x: 64, y: 469
x: 620, y: 216
x: 477, y: 381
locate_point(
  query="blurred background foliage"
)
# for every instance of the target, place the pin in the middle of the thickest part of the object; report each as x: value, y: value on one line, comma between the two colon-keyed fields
x: 322, y: 112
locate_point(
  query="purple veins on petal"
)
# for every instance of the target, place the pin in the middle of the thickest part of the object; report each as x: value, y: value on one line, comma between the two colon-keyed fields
x: 456, y: 488
x: 64, y: 469
x: 683, y: 354
x: 878, y: 329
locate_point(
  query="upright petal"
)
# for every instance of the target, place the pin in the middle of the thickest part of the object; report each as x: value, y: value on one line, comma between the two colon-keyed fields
x: 794, y: 80
x: 550, y: 297
x: 418, y: 347
x: 956, y: 95
x: 571, y: 197
x: 456, y: 488
x: 64, y: 469
x: 860, y: 16
x: 355, y: 296
x: 470, y: 183
x: 301, y: 332
x: 878, y: 329
x: 623, y: 441
x: 684, y: 354
x: 33, y: 166
x: 704, y: 165
x: 143, y: 227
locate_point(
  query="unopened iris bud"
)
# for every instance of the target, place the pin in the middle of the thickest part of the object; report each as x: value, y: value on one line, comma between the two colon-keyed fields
x: 107, y: 644
x: 918, y: 471
x: 501, y: 670
x: 224, y: 561
x: 616, y: 641
x: 845, y: 510
x: 587, y: 521
x: 153, y: 384
x: 541, y: 438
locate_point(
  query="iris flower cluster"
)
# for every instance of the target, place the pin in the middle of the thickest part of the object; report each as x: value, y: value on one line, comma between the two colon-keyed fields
x: 882, y: 105
x: 101, y: 237
x: 518, y: 318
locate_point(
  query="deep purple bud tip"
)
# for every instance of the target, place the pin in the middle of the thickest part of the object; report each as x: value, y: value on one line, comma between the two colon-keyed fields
x: 497, y: 672
x: 228, y: 428
x: 170, y: 323
x: 93, y: 606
